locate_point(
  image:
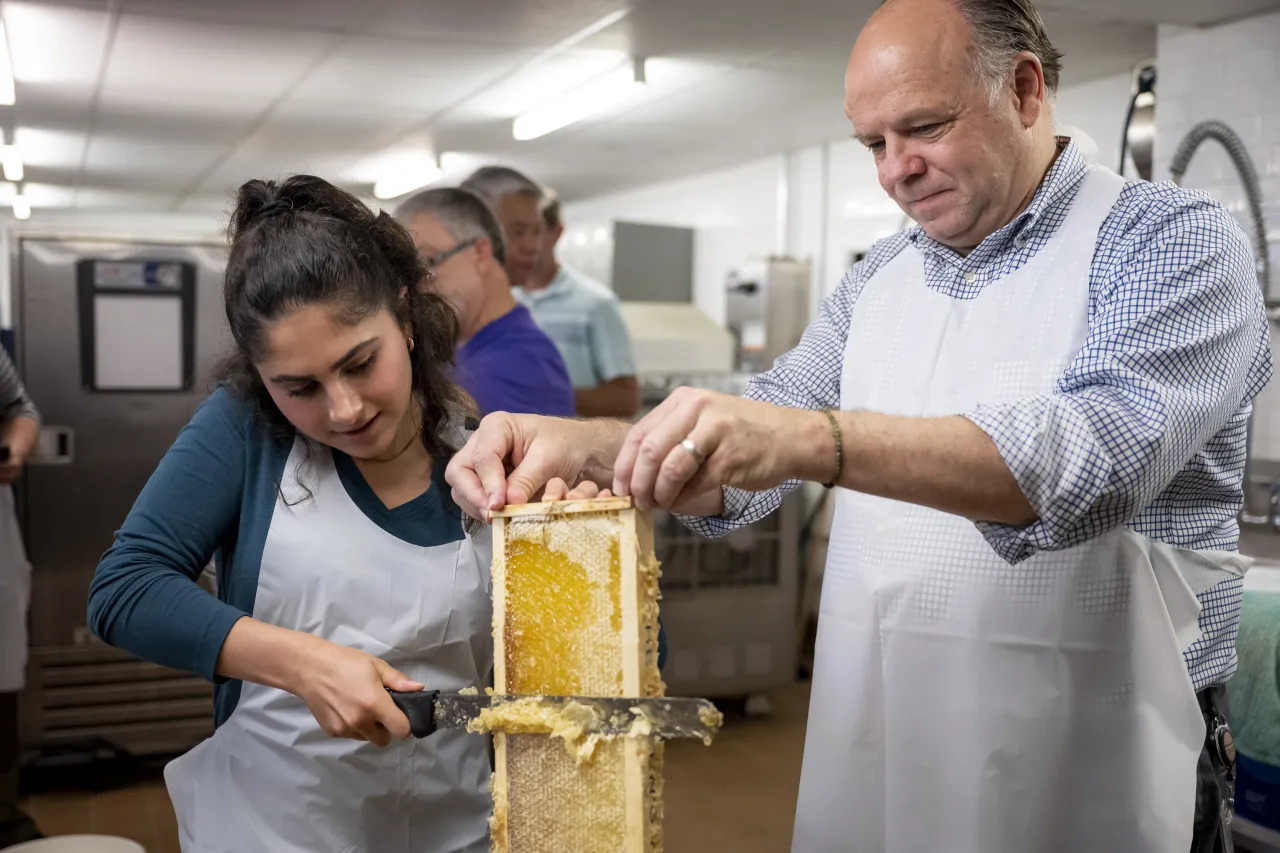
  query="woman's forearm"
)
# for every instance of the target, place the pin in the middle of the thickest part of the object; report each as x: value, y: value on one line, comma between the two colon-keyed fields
x: 265, y: 654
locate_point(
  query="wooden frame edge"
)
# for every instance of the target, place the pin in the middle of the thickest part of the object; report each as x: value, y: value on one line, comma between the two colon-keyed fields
x: 563, y: 507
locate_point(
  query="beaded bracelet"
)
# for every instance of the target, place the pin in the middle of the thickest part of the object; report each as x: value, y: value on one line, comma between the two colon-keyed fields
x: 835, y: 429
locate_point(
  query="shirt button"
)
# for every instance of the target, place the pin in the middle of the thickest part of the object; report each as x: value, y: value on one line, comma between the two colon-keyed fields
x: 970, y: 277
x: 1019, y: 242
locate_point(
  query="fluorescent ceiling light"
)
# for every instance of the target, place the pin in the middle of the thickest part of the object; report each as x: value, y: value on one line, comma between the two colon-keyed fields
x: 12, y: 160
x: 7, y: 96
x: 572, y: 41
x: 598, y: 95
x: 405, y: 174
x: 21, y: 207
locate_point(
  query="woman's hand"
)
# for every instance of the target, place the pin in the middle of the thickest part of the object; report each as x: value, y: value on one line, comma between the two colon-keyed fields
x: 346, y: 691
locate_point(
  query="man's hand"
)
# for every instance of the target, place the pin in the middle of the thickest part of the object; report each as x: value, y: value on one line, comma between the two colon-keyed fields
x: 11, y: 468
x: 511, y: 458
x: 747, y: 444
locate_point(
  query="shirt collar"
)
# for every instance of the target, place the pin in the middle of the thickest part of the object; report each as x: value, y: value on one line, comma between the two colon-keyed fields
x: 1054, y: 195
x: 558, y: 284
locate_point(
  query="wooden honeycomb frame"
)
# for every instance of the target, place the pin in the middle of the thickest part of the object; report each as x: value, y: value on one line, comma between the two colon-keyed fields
x: 543, y: 801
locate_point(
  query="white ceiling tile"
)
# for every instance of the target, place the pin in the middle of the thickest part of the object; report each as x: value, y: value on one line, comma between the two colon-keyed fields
x: 51, y: 103
x: 296, y: 129
x: 151, y: 160
x: 193, y: 59
x: 52, y: 149
x: 213, y: 204
x: 522, y: 23
x: 544, y: 82
x: 48, y: 195
x: 317, y: 14
x: 143, y: 112
x: 252, y: 162
x: 100, y: 199
x: 491, y: 114
x: 50, y: 44
x: 403, y: 74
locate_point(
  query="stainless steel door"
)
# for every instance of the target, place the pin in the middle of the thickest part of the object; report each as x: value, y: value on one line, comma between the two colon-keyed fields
x: 69, y: 512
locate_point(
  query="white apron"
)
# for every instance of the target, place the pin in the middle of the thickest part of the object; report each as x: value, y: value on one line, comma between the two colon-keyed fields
x: 964, y: 705
x: 270, y: 780
x: 15, y: 595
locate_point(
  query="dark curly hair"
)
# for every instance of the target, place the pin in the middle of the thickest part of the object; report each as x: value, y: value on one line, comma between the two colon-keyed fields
x: 306, y: 242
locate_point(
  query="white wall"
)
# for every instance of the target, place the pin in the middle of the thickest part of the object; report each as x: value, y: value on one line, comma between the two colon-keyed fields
x: 832, y: 200
x: 734, y: 213
x: 1228, y: 73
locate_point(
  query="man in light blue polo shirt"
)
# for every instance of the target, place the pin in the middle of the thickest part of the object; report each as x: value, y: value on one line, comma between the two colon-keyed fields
x: 583, y: 317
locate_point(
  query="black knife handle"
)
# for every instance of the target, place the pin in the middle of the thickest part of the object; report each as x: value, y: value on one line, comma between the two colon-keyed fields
x: 420, y: 708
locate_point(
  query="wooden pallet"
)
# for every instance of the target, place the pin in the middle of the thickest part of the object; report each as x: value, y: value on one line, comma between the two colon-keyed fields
x: 575, y: 613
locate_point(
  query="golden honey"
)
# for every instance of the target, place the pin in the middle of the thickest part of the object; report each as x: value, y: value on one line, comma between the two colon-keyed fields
x: 562, y: 626
x: 567, y: 582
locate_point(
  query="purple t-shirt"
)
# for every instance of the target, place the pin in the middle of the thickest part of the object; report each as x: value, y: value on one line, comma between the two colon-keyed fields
x: 511, y: 365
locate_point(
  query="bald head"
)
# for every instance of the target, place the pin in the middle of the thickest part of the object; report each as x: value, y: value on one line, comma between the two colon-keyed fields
x: 908, y: 38
x: 959, y: 147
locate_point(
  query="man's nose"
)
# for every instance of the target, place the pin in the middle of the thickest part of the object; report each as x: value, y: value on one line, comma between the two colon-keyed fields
x: 899, y: 164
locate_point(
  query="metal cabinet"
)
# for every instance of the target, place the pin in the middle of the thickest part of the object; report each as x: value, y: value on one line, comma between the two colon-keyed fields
x: 105, y: 446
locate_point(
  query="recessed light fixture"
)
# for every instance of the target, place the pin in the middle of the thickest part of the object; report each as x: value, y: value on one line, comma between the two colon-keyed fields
x: 403, y: 175
x: 600, y: 94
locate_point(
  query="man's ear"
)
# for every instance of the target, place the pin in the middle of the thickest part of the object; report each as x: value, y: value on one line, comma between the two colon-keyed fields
x: 484, y: 254
x: 1029, y: 89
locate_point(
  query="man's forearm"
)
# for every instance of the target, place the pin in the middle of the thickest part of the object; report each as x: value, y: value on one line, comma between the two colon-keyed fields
x: 20, y: 435
x: 946, y: 463
x: 617, y: 398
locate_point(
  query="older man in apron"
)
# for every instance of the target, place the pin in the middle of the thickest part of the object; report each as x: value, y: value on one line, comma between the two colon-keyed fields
x: 19, y: 426
x: 1034, y: 406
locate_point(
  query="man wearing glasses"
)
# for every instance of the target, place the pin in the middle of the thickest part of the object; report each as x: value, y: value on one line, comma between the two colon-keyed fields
x: 503, y: 360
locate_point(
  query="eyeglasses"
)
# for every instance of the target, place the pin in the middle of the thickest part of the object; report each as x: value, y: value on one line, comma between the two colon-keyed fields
x: 433, y: 261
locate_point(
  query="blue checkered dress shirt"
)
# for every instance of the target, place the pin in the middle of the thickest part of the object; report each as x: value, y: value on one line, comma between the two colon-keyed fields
x: 1145, y: 428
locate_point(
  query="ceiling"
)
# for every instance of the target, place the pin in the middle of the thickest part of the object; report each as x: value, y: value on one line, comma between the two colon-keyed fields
x: 168, y: 105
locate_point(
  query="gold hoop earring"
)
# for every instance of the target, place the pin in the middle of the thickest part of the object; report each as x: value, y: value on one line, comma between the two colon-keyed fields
x: 410, y: 344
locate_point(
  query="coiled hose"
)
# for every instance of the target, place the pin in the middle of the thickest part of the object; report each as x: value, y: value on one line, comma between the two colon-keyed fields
x: 1249, y: 177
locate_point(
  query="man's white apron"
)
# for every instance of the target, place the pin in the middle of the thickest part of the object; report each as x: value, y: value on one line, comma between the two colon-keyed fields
x: 963, y: 705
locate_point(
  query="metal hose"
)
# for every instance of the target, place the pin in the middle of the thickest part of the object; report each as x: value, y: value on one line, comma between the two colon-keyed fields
x: 1249, y: 177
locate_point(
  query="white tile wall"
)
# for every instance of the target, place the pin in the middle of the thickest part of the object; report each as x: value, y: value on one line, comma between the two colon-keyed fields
x: 1228, y: 73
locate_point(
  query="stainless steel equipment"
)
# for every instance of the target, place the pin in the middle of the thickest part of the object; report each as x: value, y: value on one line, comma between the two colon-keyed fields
x: 767, y: 309
x: 1140, y: 124
x: 728, y: 605
x: 671, y: 338
x: 77, y: 302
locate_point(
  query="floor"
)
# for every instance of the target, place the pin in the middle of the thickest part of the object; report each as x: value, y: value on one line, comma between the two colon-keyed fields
x: 738, y: 794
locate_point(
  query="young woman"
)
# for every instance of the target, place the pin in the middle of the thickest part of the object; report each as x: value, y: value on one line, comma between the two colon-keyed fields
x: 314, y: 475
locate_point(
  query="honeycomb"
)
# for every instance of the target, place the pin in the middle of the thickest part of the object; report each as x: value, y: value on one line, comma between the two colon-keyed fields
x: 575, y: 613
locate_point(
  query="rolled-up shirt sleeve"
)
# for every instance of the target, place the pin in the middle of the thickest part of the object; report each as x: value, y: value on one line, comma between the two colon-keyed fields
x: 807, y: 377
x: 15, y: 402
x: 1177, y: 348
